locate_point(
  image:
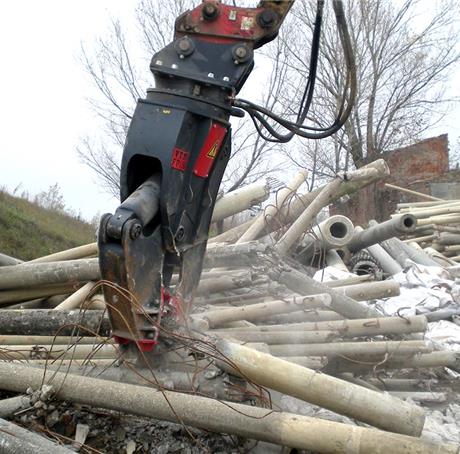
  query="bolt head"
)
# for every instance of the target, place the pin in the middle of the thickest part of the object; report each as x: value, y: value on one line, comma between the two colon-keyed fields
x: 267, y: 18
x: 210, y: 11
x: 184, y: 47
x: 135, y: 231
x: 184, y: 44
x: 241, y: 52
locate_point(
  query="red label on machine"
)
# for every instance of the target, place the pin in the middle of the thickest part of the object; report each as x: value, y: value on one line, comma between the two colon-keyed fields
x: 210, y: 150
x: 179, y: 159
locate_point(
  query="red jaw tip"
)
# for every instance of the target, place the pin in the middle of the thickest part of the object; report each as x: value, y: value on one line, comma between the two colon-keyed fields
x: 144, y: 345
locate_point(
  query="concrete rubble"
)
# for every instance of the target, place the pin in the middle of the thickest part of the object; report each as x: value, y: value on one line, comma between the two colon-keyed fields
x: 307, y: 335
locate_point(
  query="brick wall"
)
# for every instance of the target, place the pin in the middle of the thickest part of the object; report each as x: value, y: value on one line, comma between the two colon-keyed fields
x: 413, y: 167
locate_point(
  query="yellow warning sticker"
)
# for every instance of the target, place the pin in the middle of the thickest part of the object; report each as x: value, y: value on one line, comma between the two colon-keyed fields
x: 212, y: 153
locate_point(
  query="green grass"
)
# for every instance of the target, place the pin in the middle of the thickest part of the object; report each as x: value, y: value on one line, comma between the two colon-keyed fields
x: 28, y: 231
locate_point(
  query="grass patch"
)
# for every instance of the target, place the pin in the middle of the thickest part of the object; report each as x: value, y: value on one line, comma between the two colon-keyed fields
x: 28, y: 231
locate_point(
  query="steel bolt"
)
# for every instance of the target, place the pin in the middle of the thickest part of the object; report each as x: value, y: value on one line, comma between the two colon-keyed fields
x: 135, y: 231
x: 184, y: 47
x: 267, y: 18
x: 210, y: 11
x: 241, y: 52
x: 184, y: 44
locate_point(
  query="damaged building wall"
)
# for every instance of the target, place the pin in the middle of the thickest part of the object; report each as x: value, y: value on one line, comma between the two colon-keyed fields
x: 422, y: 167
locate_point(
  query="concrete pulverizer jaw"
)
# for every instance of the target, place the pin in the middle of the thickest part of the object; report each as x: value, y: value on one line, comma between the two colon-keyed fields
x: 128, y: 239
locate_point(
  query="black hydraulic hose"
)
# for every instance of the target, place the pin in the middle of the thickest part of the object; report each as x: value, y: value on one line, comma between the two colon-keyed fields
x: 308, y: 92
x: 307, y: 98
x: 256, y: 112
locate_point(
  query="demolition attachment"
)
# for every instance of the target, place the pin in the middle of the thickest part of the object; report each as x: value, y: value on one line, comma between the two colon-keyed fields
x: 176, y: 152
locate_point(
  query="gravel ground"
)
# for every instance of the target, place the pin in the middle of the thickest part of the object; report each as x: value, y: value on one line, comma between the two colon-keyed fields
x: 110, y: 432
x: 94, y: 430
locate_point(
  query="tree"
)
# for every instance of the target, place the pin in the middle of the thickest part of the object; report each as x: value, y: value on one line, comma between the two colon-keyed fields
x: 120, y: 73
x: 104, y: 162
x: 404, y: 58
x: 51, y: 199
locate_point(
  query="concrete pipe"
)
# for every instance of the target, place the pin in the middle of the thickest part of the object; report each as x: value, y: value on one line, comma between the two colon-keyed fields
x: 333, y: 259
x: 352, y: 349
x: 332, y: 233
x: 374, y: 408
x: 396, y: 227
x: 243, y: 420
x: 240, y: 200
x: 295, y: 209
x: 36, y: 274
x: 6, y: 260
x: 263, y: 311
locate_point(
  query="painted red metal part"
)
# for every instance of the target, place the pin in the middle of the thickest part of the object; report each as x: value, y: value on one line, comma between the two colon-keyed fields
x: 171, y: 304
x: 210, y: 150
x: 232, y: 24
x: 144, y: 345
x: 167, y: 302
x: 179, y: 159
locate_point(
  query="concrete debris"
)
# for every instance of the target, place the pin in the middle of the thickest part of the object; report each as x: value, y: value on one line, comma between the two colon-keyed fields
x: 302, y: 329
x: 424, y: 289
x: 81, y: 433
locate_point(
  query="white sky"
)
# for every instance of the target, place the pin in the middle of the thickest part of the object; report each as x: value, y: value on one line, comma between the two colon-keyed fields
x: 43, y: 92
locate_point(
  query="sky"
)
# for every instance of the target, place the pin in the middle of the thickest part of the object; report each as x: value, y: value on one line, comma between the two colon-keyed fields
x: 43, y: 95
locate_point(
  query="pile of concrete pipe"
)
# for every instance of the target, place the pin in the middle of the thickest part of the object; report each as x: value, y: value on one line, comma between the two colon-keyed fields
x: 438, y: 229
x: 259, y: 321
